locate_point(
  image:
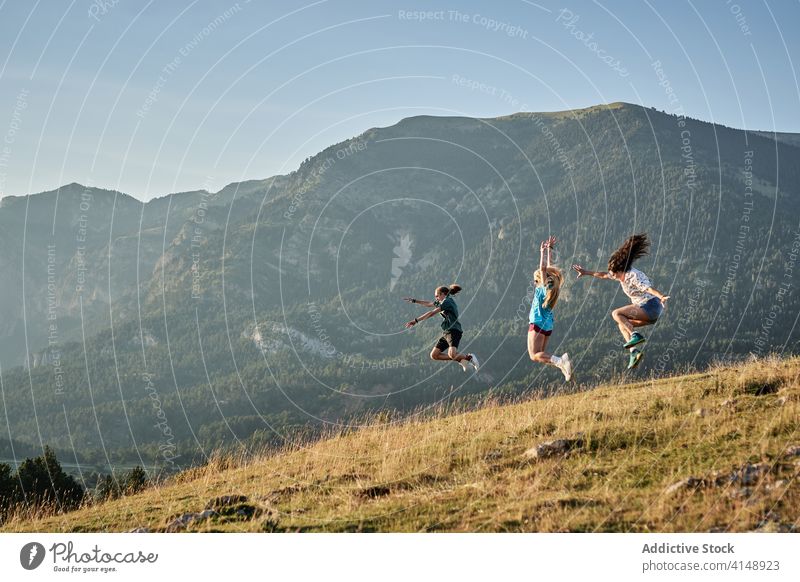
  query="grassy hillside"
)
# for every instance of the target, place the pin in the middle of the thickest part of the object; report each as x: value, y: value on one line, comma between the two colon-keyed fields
x: 707, y: 451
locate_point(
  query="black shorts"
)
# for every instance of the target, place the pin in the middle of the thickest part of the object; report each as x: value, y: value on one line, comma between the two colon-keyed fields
x: 450, y: 339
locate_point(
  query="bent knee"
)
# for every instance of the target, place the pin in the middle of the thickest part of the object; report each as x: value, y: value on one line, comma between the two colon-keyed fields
x: 434, y: 354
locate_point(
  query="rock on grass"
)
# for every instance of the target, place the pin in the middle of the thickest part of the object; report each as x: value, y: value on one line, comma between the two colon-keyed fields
x: 684, y: 484
x: 554, y: 448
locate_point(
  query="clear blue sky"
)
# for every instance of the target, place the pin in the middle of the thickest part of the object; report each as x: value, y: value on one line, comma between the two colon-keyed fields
x: 245, y: 90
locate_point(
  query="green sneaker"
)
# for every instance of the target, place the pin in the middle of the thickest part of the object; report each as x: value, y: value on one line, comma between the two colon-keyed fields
x: 636, y: 339
x: 636, y: 357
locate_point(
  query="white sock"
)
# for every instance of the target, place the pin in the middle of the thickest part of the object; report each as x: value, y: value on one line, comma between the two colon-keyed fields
x: 555, y: 360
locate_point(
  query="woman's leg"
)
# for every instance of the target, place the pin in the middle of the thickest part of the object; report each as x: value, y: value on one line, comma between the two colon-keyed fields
x: 629, y: 317
x: 537, y: 342
x: 452, y: 354
x: 443, y: 344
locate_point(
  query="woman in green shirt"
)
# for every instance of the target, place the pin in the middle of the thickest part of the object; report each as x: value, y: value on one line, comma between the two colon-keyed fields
x: 445, y: 305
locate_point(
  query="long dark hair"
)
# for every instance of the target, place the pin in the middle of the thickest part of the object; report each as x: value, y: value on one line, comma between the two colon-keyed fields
x: 634, y: 247
x: 451, y: 290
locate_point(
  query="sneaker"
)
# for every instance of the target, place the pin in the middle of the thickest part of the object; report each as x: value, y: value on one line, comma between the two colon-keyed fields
x: 636, y: 339
x: 636, y: 357
x: 473, y: 359
x: 566, y: 367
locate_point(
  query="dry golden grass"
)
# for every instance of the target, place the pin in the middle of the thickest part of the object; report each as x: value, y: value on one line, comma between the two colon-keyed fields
x: 468, y: 472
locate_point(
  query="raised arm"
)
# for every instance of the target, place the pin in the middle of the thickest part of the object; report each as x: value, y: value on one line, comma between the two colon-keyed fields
x: 542, y: 260
x: 550, y: 243
x: 597, y: 274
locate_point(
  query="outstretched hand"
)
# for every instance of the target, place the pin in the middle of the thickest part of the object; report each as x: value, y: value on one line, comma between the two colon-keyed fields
x: 580, y: 270
x: 664, y: 301
x: 408, y: 299
x: 409, y: 324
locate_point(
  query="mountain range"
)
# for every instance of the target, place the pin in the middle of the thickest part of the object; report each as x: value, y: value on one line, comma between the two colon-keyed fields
x: 157, y: 332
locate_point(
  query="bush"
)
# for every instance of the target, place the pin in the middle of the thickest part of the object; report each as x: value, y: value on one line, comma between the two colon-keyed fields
x: 136, y: 480
x: 7, y: 488
x: 111, y: 487
x: 42, y: 483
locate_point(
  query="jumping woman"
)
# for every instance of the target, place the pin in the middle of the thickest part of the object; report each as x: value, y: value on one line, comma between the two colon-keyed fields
x: 445, y: 305
x: 547, y: 280
x: 647, y: 302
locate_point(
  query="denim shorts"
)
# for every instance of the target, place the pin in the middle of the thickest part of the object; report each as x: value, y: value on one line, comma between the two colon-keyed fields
x: 653, y: 308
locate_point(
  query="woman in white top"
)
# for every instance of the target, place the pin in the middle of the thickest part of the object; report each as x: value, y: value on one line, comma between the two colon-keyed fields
x: 647, y: 302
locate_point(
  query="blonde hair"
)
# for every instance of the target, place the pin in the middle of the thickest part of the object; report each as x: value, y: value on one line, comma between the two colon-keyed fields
x: 551, y: 282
